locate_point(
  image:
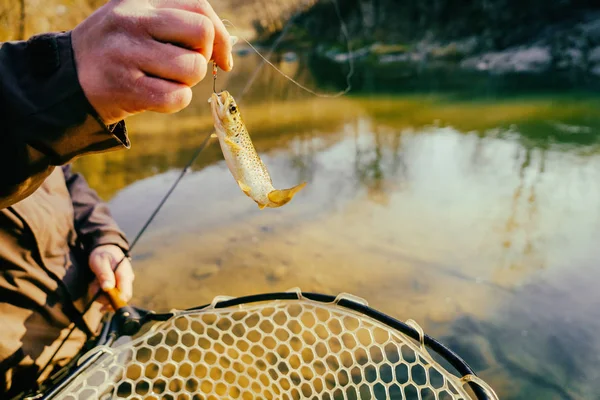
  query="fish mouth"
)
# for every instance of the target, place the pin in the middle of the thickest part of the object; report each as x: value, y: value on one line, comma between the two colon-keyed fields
x: 217, y: 101
x: 223, y: 96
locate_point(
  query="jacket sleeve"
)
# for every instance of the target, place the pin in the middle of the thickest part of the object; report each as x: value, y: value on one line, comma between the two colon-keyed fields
x: 94, y: 223
x: 45, y: 118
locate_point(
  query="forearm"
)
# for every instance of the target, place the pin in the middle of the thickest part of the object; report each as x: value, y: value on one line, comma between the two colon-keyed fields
x: 94, y: 223
x: 46, y: 118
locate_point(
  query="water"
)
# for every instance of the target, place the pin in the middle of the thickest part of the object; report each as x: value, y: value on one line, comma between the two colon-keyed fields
x: 476, y: 216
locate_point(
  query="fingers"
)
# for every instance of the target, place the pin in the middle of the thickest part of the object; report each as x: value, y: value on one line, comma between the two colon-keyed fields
x: 93, y: 289
x: 112, y: 270
x: 190, y: 30
x: 159, y: 95
x: 174, y: 63
x: 125, y: 277
x: 171, y: 70
x: 122, y: 84
x: 101, y: 266
x: 222, y: 46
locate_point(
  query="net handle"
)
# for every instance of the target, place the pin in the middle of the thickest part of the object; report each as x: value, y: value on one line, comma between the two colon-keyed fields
x: 114, y: 296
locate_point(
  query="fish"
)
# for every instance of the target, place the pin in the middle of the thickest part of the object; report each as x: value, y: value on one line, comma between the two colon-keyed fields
x: 241, y: 157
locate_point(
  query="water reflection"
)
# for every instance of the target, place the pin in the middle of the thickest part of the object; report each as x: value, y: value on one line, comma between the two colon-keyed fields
x: 378, y: 162
x: 478, y: 219
x: 523, y: 211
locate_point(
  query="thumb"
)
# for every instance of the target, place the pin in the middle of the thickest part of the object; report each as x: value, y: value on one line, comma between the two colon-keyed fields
x: 101, y: 267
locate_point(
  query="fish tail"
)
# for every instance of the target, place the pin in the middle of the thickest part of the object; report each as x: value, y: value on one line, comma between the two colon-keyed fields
x: 283, y: 196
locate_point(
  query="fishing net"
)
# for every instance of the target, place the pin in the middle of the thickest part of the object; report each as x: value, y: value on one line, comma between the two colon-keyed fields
x: 294, y: 348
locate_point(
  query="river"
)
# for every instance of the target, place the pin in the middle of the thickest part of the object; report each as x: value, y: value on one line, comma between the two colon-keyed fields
x: 476, y: 215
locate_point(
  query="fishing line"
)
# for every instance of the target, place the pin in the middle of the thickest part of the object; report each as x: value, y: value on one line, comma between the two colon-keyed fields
x: 201, y: 148
x: 184, y: 171
x: 275, y: 44
x: 348, y: 46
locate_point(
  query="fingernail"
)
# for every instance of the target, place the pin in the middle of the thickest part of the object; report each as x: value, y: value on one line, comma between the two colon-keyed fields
x: 107, y: 285
x: 230, y: 61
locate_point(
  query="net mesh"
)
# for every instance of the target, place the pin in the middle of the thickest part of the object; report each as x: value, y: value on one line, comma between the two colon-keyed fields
x: 298, y: 349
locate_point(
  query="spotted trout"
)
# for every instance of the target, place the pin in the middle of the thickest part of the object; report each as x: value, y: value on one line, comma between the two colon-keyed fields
x: 241, y: 157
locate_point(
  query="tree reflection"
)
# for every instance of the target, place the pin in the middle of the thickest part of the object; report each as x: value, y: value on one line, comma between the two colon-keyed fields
x: 378, y: 160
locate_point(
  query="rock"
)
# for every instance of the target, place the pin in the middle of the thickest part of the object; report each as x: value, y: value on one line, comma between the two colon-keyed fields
x: 277, y: 273
x: 393, y: 58
x: 592, y: 29
x: 445, y: 52
x: 413, y: 57
x: 594, y: 56
x: 455, y: 50
x: 342, y: 57
x: 381, y: 49
x: 535, y: 59
x: 204, y: 271
x: 290, y: 56
x: 575, y: 56
x: 468, y: 45
x: 530, y: 60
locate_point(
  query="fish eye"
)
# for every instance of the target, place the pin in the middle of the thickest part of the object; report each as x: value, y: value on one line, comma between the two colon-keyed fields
x: 232, y: 108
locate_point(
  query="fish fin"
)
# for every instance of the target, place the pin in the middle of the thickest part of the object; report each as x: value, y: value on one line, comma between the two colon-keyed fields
x: 283, y: 196
x: 245, y: 188
x: 234, y: 146
x: 261, y: 206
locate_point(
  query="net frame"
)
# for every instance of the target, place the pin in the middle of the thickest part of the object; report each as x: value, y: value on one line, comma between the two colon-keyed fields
x: 411, y: 334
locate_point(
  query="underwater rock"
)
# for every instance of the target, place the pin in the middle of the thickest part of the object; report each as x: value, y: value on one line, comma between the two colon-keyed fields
x: 277, y: 274
x: 204, y: 271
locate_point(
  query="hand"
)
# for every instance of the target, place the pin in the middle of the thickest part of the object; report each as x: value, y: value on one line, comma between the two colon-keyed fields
x: 145, y: 55
x: 103, y: 260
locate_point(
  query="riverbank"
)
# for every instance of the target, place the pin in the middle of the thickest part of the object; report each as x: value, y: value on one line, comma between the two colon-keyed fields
x: 562, y: 50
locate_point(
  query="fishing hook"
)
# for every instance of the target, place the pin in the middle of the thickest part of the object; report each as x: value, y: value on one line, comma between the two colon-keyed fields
x: 187, y: 168
x: 214, y: 77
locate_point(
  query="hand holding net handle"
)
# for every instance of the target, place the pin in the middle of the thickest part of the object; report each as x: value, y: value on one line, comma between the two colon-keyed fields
x: 129, y: 321
x: 116, y: 301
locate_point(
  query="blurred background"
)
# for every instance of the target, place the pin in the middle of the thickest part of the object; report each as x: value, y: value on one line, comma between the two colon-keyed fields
x: 456, y: 184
